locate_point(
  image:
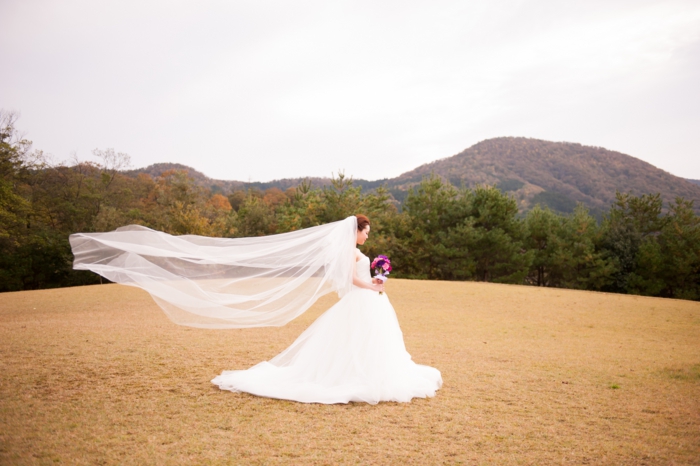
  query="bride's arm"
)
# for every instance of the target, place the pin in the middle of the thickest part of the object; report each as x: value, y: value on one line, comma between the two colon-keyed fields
x: 363, y: 284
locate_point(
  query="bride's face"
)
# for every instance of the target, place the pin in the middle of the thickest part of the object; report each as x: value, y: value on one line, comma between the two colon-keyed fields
x: 363, y: 235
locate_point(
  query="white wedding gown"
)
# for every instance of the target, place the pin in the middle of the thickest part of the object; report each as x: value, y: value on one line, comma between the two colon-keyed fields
x: 353, y: 352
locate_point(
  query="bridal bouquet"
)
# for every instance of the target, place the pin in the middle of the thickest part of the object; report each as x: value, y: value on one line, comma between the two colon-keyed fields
x: 382, y: 266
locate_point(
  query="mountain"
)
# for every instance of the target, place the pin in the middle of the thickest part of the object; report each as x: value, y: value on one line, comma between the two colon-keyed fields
x: 217, y: 186
x: 223, y: 186
x: 555, y: 174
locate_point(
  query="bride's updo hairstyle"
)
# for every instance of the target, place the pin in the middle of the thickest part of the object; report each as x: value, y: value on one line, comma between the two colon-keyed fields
x: 362, y: 222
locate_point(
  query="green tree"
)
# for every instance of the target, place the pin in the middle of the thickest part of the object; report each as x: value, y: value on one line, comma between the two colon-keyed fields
x: 342, y: 199
x: 14, y: 206
x: 630, y: 222
x: 34, y: 249
x: 566, y: 250
x: 303, y: 209
x: 497, y: 248
x: 455, y: 234
x: 255, y: 218
x: 236, y: 199
x: 15, y: 209
x: 430, y: 211
x: 668, y: 264
x: 543, y: 227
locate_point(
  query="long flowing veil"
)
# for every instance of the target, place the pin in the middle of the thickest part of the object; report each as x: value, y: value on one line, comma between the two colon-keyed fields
x: 225, y: 282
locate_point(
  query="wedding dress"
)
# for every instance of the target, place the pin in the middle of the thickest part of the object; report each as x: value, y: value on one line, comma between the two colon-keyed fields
x: 353, y: 352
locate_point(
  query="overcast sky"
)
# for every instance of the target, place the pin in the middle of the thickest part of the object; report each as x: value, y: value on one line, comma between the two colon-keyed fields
x: 259, y: 90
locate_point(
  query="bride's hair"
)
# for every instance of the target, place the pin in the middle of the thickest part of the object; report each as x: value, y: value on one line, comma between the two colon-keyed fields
x: 362, y: 222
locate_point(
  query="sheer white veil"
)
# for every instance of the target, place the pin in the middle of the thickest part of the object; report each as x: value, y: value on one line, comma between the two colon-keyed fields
x: 225, y: 282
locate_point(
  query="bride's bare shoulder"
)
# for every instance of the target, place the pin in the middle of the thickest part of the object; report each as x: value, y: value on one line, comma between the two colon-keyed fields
x: 358, y: 254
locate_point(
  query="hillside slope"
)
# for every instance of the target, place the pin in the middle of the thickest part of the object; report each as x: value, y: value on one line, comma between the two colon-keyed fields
x: 225, y: 186
x: 558, y: 174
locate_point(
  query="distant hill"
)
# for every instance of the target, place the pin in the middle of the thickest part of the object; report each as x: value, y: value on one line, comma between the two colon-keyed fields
x: 157, y: 169
x: 224, y: 186
x: 555, y: 174
x: 227, y: 186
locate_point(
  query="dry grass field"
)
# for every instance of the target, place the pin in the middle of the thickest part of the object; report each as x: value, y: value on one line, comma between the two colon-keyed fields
x: 98, y: 375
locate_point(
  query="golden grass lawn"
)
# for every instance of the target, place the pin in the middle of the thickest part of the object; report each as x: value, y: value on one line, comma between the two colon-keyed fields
x: 98, y: 375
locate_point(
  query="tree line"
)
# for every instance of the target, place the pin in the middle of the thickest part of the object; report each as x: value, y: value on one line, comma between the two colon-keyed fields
x: 438, y: 232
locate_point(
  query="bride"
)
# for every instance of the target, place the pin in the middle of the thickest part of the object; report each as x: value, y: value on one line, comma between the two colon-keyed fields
x: 353, y: 352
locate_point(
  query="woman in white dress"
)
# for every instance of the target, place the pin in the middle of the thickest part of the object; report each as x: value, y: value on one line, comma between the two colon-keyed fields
x: 353, y: 352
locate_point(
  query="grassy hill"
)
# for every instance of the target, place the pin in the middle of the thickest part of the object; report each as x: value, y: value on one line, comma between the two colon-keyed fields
x: 98, y: 374
x: 555, y: 174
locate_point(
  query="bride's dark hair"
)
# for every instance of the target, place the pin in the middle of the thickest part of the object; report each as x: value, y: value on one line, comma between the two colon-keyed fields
x: 362, y: 222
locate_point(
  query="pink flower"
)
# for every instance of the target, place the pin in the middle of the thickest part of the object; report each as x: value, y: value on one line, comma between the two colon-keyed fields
x: 381, y: 266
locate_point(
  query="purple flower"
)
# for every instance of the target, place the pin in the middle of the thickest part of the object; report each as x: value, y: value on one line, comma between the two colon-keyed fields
x: 382, y: 266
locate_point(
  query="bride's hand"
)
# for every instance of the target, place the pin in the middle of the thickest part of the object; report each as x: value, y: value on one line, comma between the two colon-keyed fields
x: 378, y: 287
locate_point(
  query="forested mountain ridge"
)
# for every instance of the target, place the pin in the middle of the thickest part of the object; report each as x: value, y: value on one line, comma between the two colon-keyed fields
x: 553, y: 174
x: 158, y: 169
x: 556, y: 174
x: 223, y: 186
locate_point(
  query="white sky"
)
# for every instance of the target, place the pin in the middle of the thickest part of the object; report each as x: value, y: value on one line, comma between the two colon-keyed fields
x: 258, y: 90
